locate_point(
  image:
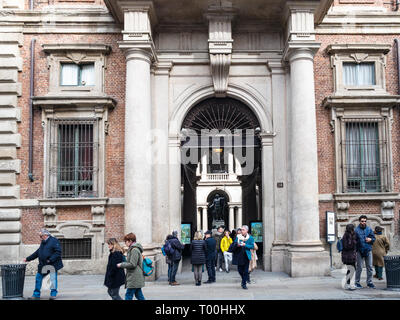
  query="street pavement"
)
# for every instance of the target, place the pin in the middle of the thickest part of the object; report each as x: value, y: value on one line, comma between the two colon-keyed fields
x: 264, y: 286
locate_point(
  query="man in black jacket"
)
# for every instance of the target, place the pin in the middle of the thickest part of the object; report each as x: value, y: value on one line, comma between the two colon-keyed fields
x: 210, y: 258
x: 175, y: 258
x: 49, y: 255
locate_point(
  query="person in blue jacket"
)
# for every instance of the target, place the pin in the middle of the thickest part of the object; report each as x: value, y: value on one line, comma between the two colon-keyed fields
x: 211, y: 255
x: 366, y: 239
x: 49, y: 255
x: 244, y: 242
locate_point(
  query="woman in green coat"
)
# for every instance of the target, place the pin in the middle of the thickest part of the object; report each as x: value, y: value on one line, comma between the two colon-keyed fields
x: 133, y: 265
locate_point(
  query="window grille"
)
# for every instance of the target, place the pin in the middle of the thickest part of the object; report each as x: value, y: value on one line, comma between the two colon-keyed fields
x: 359, y: 74
x: 363, y: 169
x: 74, y: 147
x: 76, y: 248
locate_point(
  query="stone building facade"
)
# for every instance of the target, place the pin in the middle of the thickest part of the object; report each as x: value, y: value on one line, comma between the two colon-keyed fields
x: 99, y: 98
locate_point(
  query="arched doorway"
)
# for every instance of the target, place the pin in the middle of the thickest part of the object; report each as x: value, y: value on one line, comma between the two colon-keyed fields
x: 221, y: 154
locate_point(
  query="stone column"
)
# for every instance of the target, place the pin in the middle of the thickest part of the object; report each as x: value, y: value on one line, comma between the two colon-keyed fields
x: 239, y: 218
x: 139, y: 50
x: 160, y: 151
x: 198, y: 219
x: 306, y: 256
x: 231, y: 218
x: 268, y: 213
x: 205, y: 219
x: 138, y: 168
x: 174, y: 191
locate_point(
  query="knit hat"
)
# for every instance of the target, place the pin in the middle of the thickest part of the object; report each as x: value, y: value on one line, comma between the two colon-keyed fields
x: 207, y: 232
x: 45, y: 232
x: 175, y: 233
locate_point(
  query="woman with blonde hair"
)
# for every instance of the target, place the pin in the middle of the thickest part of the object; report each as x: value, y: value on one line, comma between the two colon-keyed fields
x: 115, y: 277
x: 198, y: 251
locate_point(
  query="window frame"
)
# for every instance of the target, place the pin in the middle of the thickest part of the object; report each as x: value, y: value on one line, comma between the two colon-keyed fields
x: 383, y: 116
x: 79, y: 79
x: 358, y: 53
x: 79, y: 54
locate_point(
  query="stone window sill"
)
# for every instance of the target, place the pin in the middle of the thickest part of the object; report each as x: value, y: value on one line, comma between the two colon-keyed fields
x: 62, y: 202
x: 373, y: 196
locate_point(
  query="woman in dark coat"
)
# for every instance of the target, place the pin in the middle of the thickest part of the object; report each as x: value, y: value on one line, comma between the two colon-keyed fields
x: 198, y: 250
x: 349, y: 253
x: 115, y: 277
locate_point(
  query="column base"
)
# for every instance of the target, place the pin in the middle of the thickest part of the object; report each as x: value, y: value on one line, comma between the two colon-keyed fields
x: 9, y: 254
x: 307, y: 262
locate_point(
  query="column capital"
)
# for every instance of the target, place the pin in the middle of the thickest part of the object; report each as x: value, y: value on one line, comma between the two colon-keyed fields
x: 300, y: 50
x: 267, y: 138
x: 163, y: 68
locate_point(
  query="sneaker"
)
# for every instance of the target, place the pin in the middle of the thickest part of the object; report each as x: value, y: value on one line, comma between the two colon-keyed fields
x: 227, y: 271
x: 349, y: 287
x: 371, y: 285
x: 244, y: 287
x: 358, y: 286
x: 208, y: 281
x: 220, y: 270
x: 175, y: 283
x: 34, y: 298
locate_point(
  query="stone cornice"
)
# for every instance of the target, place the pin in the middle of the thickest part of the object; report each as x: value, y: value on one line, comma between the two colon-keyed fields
x: 81, y: 47
x: 366, y: 196
x: 74, y: 101
x: 359, y: 47
x: 378, y: 101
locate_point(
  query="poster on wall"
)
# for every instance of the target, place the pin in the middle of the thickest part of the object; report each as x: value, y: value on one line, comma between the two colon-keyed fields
x: 330, y: 227
x: 256, y: 230
x: 186, y: 231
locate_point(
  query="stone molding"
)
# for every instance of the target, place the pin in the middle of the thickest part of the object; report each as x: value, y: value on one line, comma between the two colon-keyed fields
x: 76, y: 53
x: 220, y: 45
x: 358, y: 53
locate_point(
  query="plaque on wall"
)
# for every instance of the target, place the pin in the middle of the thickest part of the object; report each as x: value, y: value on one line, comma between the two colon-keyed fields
x: 256, y: 230
x: 186, y: 233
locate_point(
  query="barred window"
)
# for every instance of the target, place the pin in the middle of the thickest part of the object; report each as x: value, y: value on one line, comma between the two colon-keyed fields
x: 76, y: 248
x: 74, y: 145
x: 363, y: 166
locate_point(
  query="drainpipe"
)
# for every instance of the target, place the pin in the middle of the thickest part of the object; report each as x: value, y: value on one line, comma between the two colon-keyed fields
x: 397, y: 41
x: 31, y: 4
x: 31, y: 93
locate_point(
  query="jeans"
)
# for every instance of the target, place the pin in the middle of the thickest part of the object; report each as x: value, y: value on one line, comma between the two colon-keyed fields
x: 220, y: 259
x: 172, y: 270
x: 137, y: 292
x: 211, y: 269
x: 368, y: 266
x: 228, y: 259
x: 114, y: 293
x: 38, y: 284
x: 198, y: 272
x: 243, y: 270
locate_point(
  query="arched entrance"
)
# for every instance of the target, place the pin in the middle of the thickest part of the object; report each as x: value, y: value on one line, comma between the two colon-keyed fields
x: 221, y: 154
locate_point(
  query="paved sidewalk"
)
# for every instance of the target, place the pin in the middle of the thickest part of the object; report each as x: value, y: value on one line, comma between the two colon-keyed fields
x: 267, y: 286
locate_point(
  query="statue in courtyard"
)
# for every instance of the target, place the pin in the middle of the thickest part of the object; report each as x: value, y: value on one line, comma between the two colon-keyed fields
x: 217, y: 207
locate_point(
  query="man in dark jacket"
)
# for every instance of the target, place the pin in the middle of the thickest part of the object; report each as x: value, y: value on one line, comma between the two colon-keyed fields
x: 210, y: 258
x: 220, y: 256
x: 175, y: 258
x: 49, y: 255
x: 366, y: 239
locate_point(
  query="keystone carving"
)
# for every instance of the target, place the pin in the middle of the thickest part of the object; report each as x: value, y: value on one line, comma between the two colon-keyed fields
x: 98, y: 215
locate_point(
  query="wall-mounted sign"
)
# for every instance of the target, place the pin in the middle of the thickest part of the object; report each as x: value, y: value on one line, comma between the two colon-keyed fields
x: 186, y: 233
x: 330, y: 227
x: 256, y: 230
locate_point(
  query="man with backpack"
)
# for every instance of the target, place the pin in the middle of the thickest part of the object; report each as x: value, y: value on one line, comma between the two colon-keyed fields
x: 173, y: 250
